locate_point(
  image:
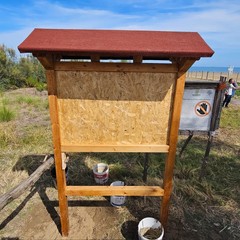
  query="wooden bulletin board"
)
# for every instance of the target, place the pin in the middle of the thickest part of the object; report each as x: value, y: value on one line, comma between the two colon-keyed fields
x: 114, y: 109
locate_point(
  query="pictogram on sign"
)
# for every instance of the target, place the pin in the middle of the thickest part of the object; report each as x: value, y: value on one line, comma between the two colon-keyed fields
x: 202, y: 108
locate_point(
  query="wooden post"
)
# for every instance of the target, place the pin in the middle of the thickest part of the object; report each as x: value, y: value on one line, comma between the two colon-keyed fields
x: 173, y: 137
x: 60, y: 173
x: 217, y: 107
x: 216, y: 113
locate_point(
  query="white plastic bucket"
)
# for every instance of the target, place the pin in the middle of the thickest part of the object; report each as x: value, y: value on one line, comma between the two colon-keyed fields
x: 117, y: 201
x: 150, y: 228
x: 101, y: 173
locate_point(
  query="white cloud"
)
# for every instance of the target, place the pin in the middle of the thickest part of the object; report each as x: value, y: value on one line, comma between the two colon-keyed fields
x: 14, y: 38
x: 217, y: 21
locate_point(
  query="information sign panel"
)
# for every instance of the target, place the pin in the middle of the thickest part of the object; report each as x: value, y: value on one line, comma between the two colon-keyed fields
x: 197, y: 109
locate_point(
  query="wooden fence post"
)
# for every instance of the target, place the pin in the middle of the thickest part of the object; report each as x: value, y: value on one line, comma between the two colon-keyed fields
x: 60, y: 173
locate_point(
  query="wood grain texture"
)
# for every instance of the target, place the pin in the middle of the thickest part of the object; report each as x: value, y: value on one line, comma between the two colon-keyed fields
x: 173, y: 137
x: 101, y: 108
x: 115, y: 148
x: 114, y: 190
x: 115, y: 67
x: 60, y: 174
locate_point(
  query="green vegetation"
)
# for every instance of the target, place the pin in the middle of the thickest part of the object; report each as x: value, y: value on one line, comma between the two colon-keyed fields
x: 230, y: 118
x: 35, y: 101
x: 20, y: 72
x: 210, y: 206
x: 7, y: 136
x: 237, y: 93
x: 6, y: 114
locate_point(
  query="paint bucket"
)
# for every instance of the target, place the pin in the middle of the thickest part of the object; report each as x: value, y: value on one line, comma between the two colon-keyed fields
x: 117, y: 201
x: 150, y: 228
x: 101, y: 173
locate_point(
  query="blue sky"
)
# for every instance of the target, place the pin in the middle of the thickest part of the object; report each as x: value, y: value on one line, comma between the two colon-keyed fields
x: 217, y: 21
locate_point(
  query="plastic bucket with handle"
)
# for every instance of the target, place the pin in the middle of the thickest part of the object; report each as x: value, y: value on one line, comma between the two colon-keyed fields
x: 150, y: 228
x: 101, y: 173
x: 117, y: 201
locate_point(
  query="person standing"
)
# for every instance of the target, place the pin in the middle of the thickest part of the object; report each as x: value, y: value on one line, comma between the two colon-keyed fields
x: 236, y: 86
x: 229, y: 92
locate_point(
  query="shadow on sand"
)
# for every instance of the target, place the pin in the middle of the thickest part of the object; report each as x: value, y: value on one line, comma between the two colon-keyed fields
x: 139, y: 207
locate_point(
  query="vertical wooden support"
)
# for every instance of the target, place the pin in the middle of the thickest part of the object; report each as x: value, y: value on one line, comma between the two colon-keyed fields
x: 173, y: 137
x: 60, y: 173
x: 217, y: 106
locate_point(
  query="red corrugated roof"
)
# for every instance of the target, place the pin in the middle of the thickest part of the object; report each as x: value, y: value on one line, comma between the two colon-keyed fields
x: 117, y: 43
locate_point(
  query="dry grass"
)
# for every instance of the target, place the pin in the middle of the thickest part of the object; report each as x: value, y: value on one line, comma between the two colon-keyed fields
x: 22, y: 136
x: 199, y: 210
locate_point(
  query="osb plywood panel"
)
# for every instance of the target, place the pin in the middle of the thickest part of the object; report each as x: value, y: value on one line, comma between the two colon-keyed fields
x: 114, y: 107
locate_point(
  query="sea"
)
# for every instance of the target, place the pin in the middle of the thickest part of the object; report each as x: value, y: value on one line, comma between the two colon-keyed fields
x: 214, y: 69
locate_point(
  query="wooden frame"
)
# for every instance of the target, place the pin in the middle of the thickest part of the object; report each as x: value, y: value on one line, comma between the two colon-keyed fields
x: 115, y: 107
x: 169, y: 147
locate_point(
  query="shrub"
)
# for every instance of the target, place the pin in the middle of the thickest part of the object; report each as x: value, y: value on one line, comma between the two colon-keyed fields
x: 6, y: 114
x: 33, y: 82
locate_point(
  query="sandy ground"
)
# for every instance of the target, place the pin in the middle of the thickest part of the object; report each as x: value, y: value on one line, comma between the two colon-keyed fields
x: 85, y: 223
x: 37, y: 217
